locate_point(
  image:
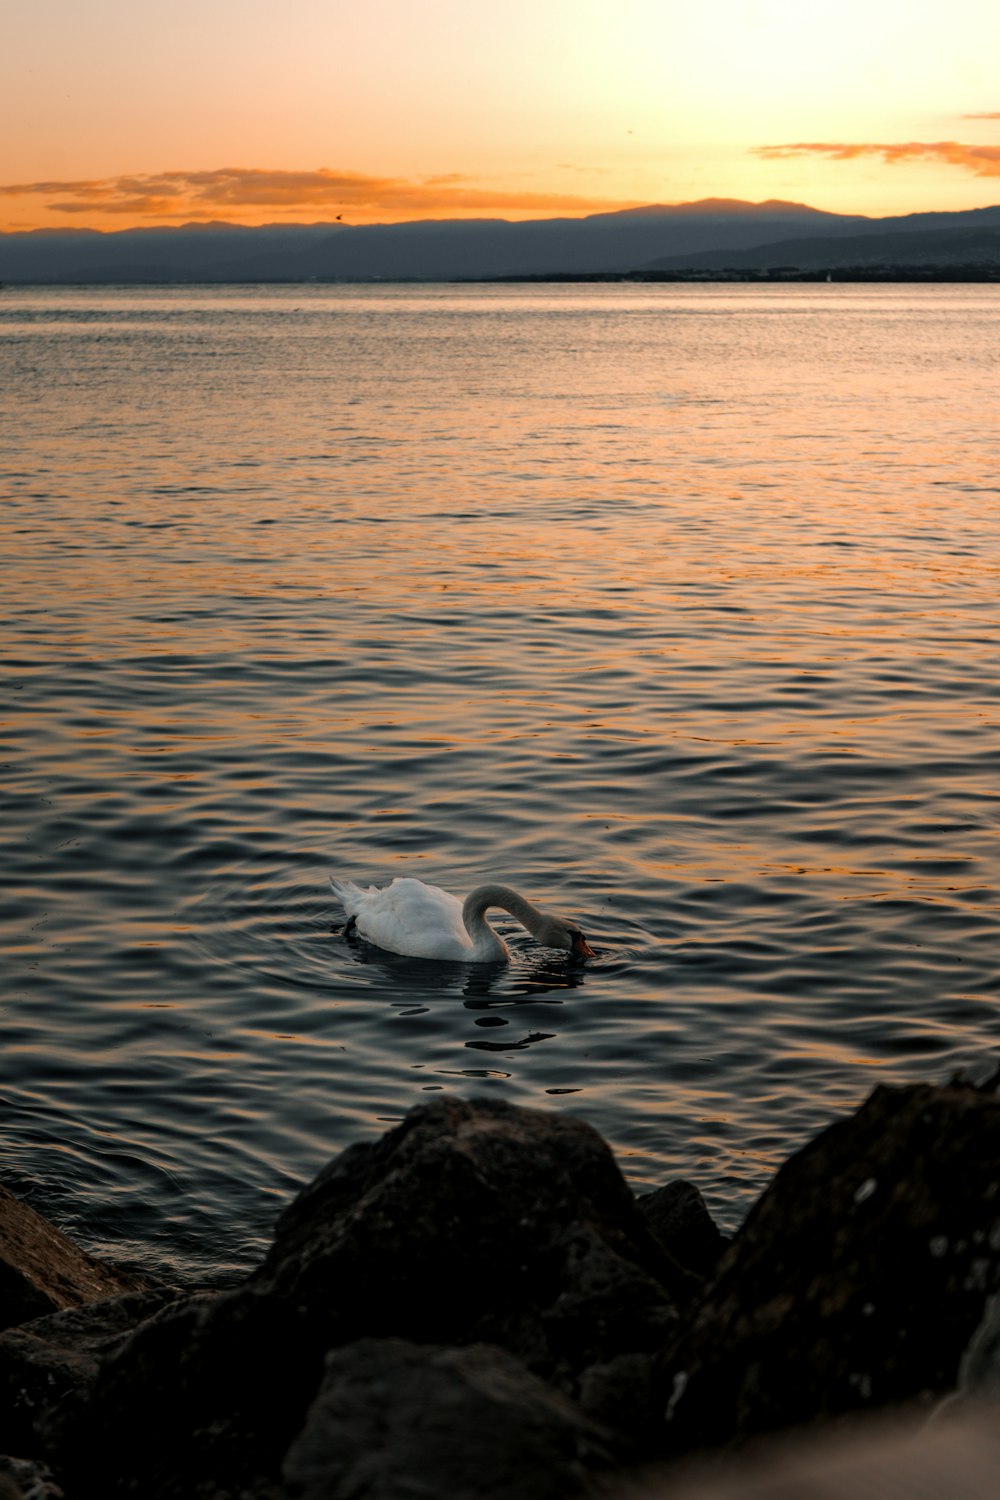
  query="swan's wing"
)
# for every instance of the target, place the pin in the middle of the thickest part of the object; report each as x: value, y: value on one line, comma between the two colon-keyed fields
x: 427, y: 921
x: 412, y: 918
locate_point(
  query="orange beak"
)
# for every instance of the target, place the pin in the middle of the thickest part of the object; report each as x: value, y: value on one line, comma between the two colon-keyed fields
x: 582, y: 947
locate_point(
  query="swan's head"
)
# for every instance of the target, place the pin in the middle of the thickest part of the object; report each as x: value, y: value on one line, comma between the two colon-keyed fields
x: 555, y: 933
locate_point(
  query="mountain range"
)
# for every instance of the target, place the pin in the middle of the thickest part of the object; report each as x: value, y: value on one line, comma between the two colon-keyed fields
x: 709, y: 238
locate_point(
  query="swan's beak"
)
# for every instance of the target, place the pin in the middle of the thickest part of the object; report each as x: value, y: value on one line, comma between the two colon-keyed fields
x: 581, y: 947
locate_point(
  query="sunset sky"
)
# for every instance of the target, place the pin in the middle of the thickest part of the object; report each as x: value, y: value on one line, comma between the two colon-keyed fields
x: 122, y: 112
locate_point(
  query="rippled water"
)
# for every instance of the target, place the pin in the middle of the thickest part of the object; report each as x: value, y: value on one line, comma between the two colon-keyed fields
x: 676, y: 607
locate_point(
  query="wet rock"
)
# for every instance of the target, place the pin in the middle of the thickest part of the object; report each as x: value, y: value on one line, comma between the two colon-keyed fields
x: 397, y: 1421
x: 859, y: 1278
x: 42, y: 1271
x: 469, y: 1223
x: 53, y: 1361
x: 684, y: 1227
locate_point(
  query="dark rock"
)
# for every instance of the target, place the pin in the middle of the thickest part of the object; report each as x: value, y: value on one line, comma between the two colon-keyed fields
x: 397, y: 1421
x: 200, y: 1403
x: 54, y: 1360
x: 979, y: 1369
x: 858, y: 1279
x: 471, y: 1222
x: 23, y: 1479
x: 479, y: 1222
x: 41, y: 1271
x: 684, y: 1227
x: 627, y: 1397
x: 862, y: 1278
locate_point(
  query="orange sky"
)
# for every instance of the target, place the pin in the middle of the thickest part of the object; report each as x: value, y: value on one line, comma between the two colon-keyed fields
x: 122, y: 112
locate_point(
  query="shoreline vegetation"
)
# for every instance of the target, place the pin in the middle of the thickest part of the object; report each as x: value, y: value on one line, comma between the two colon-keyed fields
x: 476, y: 1306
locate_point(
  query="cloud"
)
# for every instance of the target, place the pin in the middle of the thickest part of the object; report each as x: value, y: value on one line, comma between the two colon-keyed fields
x: 983, y: 161
x: 246, y: 192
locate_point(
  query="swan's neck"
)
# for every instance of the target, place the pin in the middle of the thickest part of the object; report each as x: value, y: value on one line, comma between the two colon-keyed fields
x: 478, y: 902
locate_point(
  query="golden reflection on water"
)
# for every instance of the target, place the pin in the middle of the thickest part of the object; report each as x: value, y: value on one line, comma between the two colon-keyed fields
x: 679, y: 606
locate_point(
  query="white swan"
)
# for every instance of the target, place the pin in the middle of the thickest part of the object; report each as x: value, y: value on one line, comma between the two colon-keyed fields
x: 423, y: 921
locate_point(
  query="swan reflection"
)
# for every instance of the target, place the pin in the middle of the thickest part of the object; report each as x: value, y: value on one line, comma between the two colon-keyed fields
x: 521, y: 1045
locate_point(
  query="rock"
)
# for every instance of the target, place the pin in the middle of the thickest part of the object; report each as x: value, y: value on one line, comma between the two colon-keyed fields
x: 979, y: 1368
x: 480, y: 1221
x: 859, y: 1278
x: 41, y: 1271
x: 398, y: 1421
x: 866, y: 1276
x: 54, y: 1360
x: 200, y: 1403
x: 23, y: 1479
x: 469, y: 1223
x: 626, y: 1397
x: 684, y: 1227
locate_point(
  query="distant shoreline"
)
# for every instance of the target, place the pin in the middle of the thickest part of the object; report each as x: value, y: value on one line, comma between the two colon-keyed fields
x: 709, y: 241
x: 988, y: 274
x: 779, y: 274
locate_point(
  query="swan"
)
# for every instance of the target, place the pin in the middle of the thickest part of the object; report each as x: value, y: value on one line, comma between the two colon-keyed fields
x: 423, y: 921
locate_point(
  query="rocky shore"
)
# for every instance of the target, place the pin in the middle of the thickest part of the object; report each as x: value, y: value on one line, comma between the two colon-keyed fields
x: 475, y: 1307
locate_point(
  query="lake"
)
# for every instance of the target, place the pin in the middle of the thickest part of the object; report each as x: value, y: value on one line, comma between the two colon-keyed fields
x: 675, y: 607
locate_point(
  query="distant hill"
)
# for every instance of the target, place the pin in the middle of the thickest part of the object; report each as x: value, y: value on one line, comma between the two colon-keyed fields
x: 945, y: 241
x: 193, y: 253
x: 433, y: 250
x: 710, y: 235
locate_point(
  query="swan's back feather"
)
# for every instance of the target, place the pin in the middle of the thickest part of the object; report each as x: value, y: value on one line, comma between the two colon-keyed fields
x: 407, y: 917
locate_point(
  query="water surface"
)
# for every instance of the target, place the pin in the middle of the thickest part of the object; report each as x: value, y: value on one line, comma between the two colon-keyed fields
x: 676, y: 607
